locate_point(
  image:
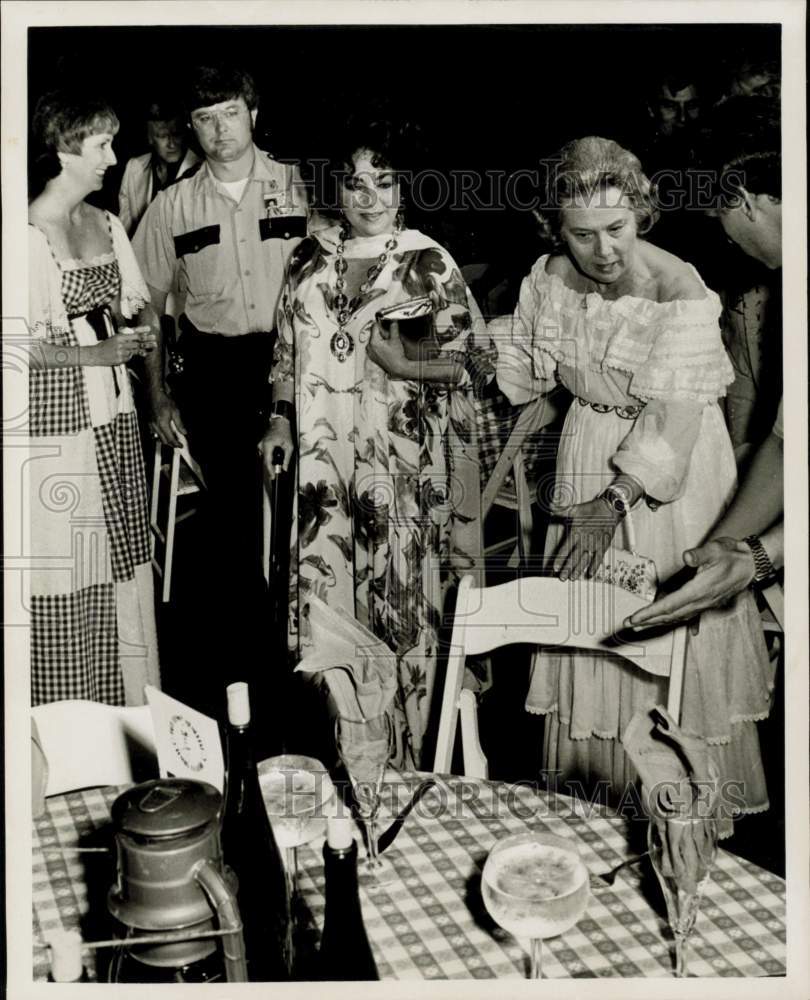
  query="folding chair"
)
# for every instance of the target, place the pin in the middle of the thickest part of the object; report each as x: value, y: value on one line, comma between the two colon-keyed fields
x: 545, y: 611
x: 534, y: 416
x: 184, y: 479
x: 87, y: 744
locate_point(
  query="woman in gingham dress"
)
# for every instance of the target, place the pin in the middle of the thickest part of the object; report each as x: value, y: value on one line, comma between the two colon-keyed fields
x: 92, y: 611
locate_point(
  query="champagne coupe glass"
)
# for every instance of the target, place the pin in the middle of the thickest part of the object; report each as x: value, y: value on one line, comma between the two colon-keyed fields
x: 535, y: 886
x: 683, y: 850
x: 295, y: 790
x: 365, y: 747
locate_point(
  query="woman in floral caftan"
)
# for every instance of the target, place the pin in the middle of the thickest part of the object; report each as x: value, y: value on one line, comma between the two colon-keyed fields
x: 388, y: 492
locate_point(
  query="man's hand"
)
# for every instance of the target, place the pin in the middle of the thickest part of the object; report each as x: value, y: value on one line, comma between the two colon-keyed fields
x: 279, y: 435
x: 165, y: 421
x: 591, y: 527
x: 724, y: 568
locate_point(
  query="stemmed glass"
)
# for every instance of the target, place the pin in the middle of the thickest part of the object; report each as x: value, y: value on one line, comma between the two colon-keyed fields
x: 295, y: 790
x: 535, y: 886
x: 683, y: 850
x: 365, y: 747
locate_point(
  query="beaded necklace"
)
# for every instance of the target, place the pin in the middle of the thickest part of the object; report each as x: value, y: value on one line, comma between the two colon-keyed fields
x: 342, y: 344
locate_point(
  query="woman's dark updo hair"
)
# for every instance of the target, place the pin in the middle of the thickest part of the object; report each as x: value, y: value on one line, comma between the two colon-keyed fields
x: 394, y: 147
x: 586, y: 166
x: 62, y: 121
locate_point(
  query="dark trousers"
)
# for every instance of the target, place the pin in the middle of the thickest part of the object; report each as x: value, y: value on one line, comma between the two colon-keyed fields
x: 223, y: 395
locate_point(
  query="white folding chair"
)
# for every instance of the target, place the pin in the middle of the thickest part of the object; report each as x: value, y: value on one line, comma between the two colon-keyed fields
x: 87, y: 744
x: 545, y: 611
x: 184, y: 479
x: 532, y: 419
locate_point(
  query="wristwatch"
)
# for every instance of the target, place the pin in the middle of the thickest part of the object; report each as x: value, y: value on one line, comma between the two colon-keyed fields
x: 618, y: 498
x: 282, y: 408
x: 764, y: 570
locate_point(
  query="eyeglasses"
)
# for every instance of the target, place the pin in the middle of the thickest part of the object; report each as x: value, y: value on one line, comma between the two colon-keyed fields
x: 207, y: 119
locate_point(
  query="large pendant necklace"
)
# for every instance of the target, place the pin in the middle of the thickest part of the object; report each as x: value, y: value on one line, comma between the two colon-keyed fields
x: 342, y: 344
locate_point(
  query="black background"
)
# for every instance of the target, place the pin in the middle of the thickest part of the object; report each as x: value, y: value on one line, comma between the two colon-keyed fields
x: 493, y: 96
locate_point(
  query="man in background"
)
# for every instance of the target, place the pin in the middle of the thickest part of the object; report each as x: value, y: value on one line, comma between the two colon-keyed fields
x: 146, y: 175
x: 746, y: 545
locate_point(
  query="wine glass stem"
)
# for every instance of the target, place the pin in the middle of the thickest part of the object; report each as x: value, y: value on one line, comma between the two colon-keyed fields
x: 373, y: 853
x: 536, y: 959
x: 290, y: 866
x: 681, y: 956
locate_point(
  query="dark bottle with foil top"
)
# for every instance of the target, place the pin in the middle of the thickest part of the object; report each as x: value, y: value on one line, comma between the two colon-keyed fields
x: 345, y: 950
x: 251, y: 852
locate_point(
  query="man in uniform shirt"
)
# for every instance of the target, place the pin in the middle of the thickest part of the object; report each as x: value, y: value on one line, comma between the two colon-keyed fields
x: 224, y: 233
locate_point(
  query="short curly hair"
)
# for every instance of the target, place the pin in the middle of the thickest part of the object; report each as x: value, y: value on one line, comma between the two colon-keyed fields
x: 586, y: 166
x: 62, y: 121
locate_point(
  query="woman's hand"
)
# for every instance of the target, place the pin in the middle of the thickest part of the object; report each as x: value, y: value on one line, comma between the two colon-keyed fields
x: 590, y: 530
x: 147, y: 337
x: 121, y: 347
x: 278, y: 435
x: 115, y: 350
x: 385, y: 349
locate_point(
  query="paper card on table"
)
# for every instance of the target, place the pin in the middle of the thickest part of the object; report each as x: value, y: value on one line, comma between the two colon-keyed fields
x: 188, y: 742
x: 86, y: 744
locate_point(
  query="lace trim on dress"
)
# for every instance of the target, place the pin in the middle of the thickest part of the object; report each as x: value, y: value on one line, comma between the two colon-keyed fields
x: 535, y: 710
x: 669, y: 349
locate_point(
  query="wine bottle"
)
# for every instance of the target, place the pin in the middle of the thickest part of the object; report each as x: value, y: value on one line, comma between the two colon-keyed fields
x: 345, y: 952
x: 251, y: 852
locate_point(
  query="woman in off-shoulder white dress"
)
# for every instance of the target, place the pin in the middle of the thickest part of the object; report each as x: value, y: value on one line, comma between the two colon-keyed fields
x: 632, y: 332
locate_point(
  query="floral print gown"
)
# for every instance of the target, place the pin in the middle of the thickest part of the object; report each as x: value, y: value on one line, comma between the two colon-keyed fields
x: 388, y: 491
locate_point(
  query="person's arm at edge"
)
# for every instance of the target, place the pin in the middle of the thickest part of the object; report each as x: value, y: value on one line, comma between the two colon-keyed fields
x: 725, y: 564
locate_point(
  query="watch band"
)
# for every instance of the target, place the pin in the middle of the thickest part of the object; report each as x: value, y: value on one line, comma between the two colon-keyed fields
x: 282, y: 408
x: 618, y: 498
x: 763, y: 567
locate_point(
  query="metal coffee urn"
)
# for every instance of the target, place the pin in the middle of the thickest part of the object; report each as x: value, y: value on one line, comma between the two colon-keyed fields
x: 173, y: 900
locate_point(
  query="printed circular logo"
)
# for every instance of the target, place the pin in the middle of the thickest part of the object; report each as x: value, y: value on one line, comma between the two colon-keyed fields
x: 187, y: 742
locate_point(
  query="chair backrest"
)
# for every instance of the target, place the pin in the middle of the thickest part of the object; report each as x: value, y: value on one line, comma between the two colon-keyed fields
x: 546, y: 611
x: 88, y: 744
x: 535, y: 415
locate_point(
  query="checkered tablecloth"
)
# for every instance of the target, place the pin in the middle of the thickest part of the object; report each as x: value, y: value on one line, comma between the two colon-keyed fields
x: 431, y: 923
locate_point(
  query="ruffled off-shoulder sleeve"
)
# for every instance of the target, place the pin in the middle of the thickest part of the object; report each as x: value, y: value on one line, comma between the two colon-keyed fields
x: 134, y: 293
x: 684, y: 370
x: 526, y: 362
x: 673, y: 350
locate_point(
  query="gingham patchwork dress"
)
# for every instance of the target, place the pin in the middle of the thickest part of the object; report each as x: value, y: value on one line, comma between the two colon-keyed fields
x: 92, y: 611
